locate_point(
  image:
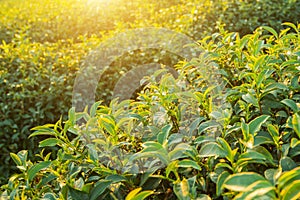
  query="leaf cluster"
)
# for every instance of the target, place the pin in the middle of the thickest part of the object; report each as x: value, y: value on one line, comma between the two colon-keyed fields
x: 228, y: 127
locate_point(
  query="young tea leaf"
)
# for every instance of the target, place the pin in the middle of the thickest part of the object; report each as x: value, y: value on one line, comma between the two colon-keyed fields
x: 274, y: 132
x: 291, y: 192
x: 288, y: 178
x: 249, y: 98
x: 290, y: 103
x: 255, y: 124
x: 50, y: 142
x: 163, y: 135
x: 221, y: 178
x: 143, y: 195
x: 271, y: 30
x: 16, y: 159
x: 36, y: 168
x: 240, y: 182
x: 212, y: 149
x: 189, y: 163
x: 133, y: 193
x: 296, y: 124
x: 287, y: 164
x: 181, y: 190
x: 98, y: 190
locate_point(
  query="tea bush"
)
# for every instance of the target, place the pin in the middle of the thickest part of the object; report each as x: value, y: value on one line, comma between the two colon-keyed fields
x: 36, y: 86
x: 189, y: 137
x: 42, y: 44
x: 55, y: 20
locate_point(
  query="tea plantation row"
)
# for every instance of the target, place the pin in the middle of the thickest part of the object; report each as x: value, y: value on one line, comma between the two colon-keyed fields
x: 44, y: 44
x: 183, y: 138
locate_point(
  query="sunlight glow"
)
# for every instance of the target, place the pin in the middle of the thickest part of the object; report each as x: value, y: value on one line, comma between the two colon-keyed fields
x: 99, y: 5
x: 98, y: 2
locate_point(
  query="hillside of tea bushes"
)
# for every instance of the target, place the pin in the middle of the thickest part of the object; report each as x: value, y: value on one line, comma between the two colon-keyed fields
x: 182, y: 137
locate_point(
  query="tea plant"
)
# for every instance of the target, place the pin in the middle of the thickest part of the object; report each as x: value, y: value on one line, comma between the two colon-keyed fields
x: 42, y: 44
x: 188, y: 137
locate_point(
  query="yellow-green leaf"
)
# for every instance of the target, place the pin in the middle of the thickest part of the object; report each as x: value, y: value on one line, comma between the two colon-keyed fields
x: 240, y: 182
x: 133, y: 193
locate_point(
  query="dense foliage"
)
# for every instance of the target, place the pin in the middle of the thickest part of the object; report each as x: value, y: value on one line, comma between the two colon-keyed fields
x: 176, y: 141
x: 43, y: 45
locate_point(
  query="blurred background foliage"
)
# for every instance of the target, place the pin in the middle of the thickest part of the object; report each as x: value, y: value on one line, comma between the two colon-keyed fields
x: 42, y: 44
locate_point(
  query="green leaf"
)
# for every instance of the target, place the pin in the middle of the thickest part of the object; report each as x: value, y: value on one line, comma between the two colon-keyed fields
x: 87, y: 187
x: 180, y: 151
x: 245, y: 129
x: 259, y: 140
x: 221, y: 178
x: 152, y: 149
x: 16, y: 159
x: 249, y: 98
x: 108, y: 124
x: 274, y: 132
x: 247, y: 75
x: 258, y: 190
x: 181, y: 190
x: 291, y: 25
x: 49, y: 196
x: 271, y: 30
x: 263, y: 76
x: 152, y: 146
x: 291, y: 192
x: 272, y: 175
x: 294, y: 82
x: 207, y: 125
x: 41, y: 130
x: 137, y: 195
x: 115, y: 178
x: 255, y: 124
x: 94, y: 108
x: 77, y: 194
x: 46, y: 179
x: 266, y: 153
x: 290, y: 103
x: 99, y: 189
x: 163, y: 135
x: 227, y: 148
x: 294, y: 151
x: 64, y: 191
x: 259, y: 44
x: 72, y: 115
x: 189, y: 163
x: 161, y: 156
x: 203, y: 138
x: 288, y: 177
x: 287, y: 163
x: 252, y: 155
x: 23, y: 157
x: 224, y: 165
x: 82, y: 115
x: 212, y: 149
x: 239, y: 182
x: 143, y: 195
x: 289, y: 63
x: 133, y: 193
x: 172, y: 167
x: 50, y: 142
x: 296, y: 124
x: 203, y: 197
x: 272, y: 87
x: 294, y: 142
x: 281, y: 113
x: 195, y: 124
x: 36, y: 168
